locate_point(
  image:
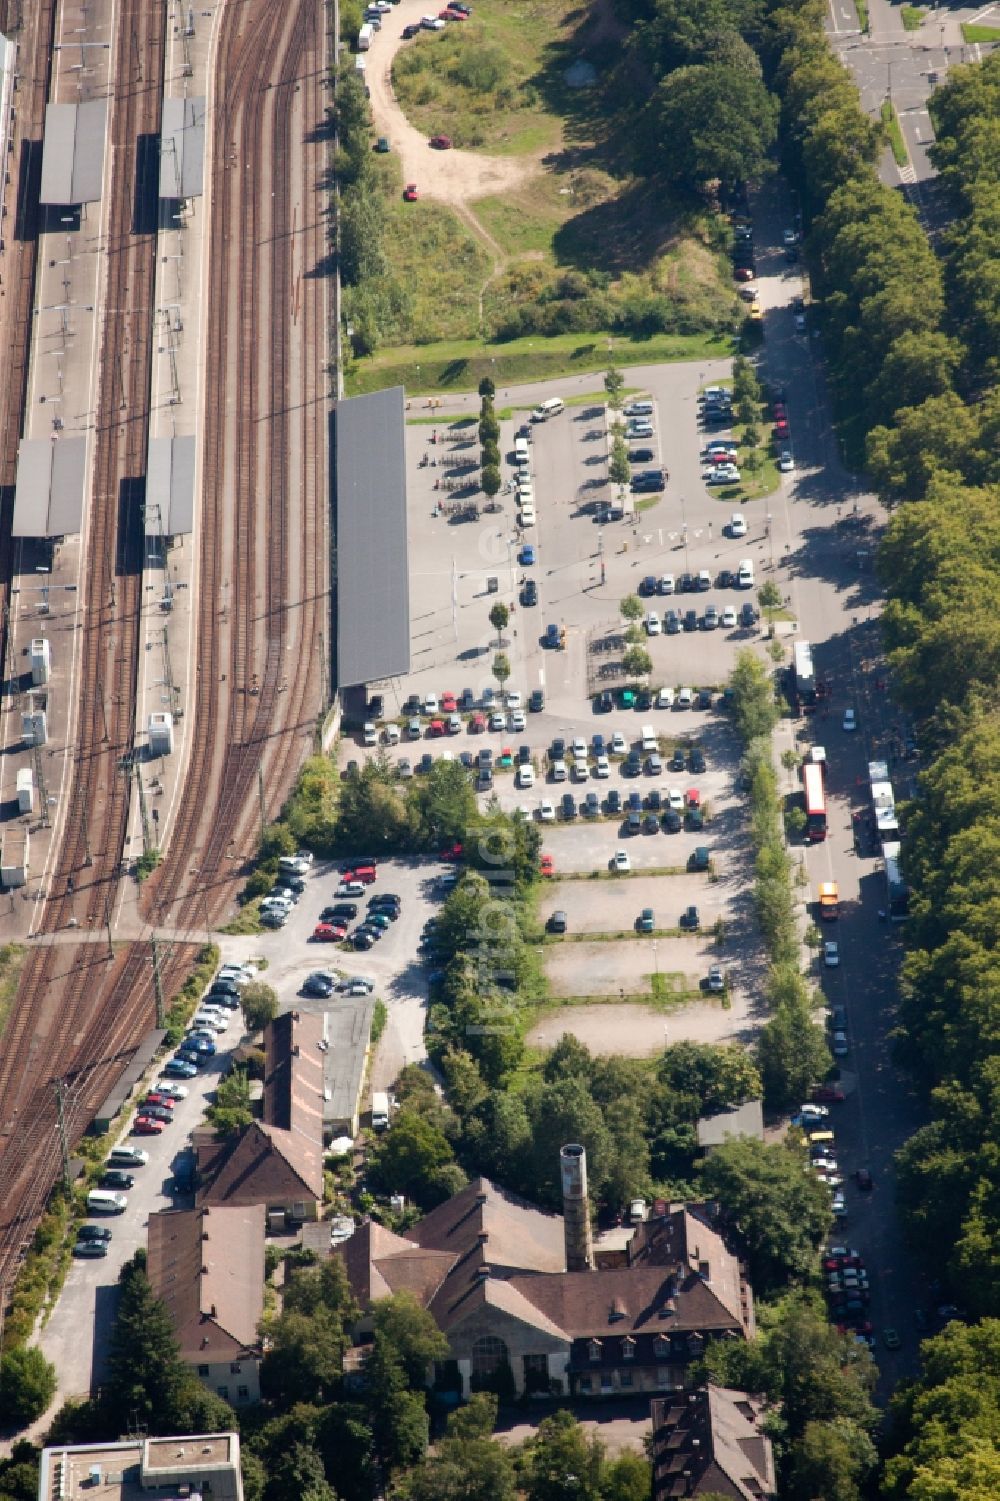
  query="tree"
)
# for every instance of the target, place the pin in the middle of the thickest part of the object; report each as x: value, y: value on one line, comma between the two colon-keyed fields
x: 780, y: 1211
x: 411, y: 1333
x: 441, y: 806
x: 769, y: 596
x: 627, y: 1478
x: 631, y: 608
x: 490, y: 480
x: 562, y: 1463
x: 490, y: 456
x: 27, y: 1385
x: 259, y: 1003
x: 619, y: 468
x: 499, y: 618
x: 614, y: 384
x: 298, y: 1475
x: 501, y: 668
x: 636, y: 662
x: 19, y: 1473
x: 716, y: 1076
x: 399, y: 1416
x: 832, y: 1460
x: 489, y: 429
x: 362, y: 221
x: 408, y: 1156
x: 231, y: 1110
x: 791, y: 1050
x: 752, y: 698
x: 712, y: 122
x: 145, y: 1372
x: 487, y: 388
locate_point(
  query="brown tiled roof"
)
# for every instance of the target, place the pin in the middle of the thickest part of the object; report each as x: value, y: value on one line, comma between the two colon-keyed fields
x: 379, y: 1263
x: 710, y: 1441
x: 293, y: 1074
x: 683, y: 1240
x: 263, y: 1165
x: 207, y: 1265
x: 518, y: 1236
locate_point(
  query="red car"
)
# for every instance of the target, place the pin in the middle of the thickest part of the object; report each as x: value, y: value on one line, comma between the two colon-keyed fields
x: 436, y: 727
x: 743, y: 273
x: 827, y: 1094
x: 452, y: 852
x: 452, y: 15
x: 477, y: 724
x: 547, y: 865
x: 328, y: 932
x: 366, y: 874
x: 779, y: 411
x: 441, y: 143
x: 410, y: 194
x: 449, y: 704
x: 781, y: 429
x: 146, y: 1126
x: 160, y: 1099
x: 693, y: 797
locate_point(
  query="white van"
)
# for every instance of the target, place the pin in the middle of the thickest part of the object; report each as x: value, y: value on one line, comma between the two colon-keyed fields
x: 380, y: 1110
x: 99, y: 1201
x: 547, y: 409
x: 744, y: 577
x: 522, y: 453
x: 126, y: 1156
x: 649, y: 740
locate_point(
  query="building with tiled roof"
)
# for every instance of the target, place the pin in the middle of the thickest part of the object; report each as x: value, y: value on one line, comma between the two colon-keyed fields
x: 492, y: 1269
x: 711, y: 1442
x: 207, y: 1266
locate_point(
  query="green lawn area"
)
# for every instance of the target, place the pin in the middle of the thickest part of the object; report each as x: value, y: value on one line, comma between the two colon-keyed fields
x: 460, y: 364
x: 480, y: 81
x: 973, y: 32
x: 424, y: 243
x: 911, y: 16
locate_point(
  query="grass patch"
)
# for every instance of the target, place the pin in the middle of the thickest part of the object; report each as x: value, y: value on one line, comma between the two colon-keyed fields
x: 624, y: 934
x: 425, y: 242
x: 972, y: 31
x: 861, y: 6
x: 246, y: 921
x: 477, y: 81
x: 893, y: 133
x: 460, y: 364
x: 43, y: 1271
x: 618, y: 875
x: 12, y: 957
x: 911, y: 16
x: 648, y: 503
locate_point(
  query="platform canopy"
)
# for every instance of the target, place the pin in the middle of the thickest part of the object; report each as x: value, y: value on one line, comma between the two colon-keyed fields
x: 48, y: 498
x: 182, y: 148
x: 170, y: 487
x: 371, y: 565
x: 73, y: 152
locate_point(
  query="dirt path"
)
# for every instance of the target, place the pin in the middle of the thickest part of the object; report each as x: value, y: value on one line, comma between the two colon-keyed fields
x: 453, y: 177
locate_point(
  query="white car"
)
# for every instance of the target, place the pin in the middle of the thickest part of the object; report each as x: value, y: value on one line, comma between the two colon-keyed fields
x: 517, y: 720
x: 639, y: 428
x: 737, y: 524
x: 685, y: 698
x: 602, y: 767
x: 432, y: 23
x: 850, y: 720
x: 831, y: 955
x: 527, y: 515
x: 546, y: 812
x: 431, y: 703
x: 579, y: 748
x: 667, y: 584
x: 839, y: 1206
x: 814, y: 1112
x: 728, y: 618
x: 170, y: 1090
x: 719, y: 450
x: 620, y: 860
x: 652, y: 624
x: 525, y: 776
x: 665, y: 698
x: 789, y: 237
x: 785, y: 461
x: 559, y: 771
x: 826, y: 1164
x: 721, y: 474
x: 514, y: 700
x: 675, y: 799
x: 838, y: 1045
x: 619, y: 745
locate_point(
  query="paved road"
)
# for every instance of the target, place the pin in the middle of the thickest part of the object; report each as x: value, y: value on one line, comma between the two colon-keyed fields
x: 834, y: 594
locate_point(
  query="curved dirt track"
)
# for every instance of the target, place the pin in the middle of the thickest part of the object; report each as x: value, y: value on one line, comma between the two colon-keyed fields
x: 454, y: 177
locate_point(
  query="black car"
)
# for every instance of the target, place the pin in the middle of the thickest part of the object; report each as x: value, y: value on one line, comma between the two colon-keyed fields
x: 686, y: 583
x: 314, y: 985
x: 633, y: 823
x: 690, y: 620
x: 389, y: 910
x: 614, y: 801
x: 654, y: 800
x: 524, y: 431
x: 157, y: 1112
x: 467, y: 759
x: 536, y: 703
x: 339, y: 909
x: 524, y: 755
x: 410, y: 31
x: 748, y: 615
x: 648, y: 585
x: 726, y: 580
x: 697, y: 761
x: 222, y: 998
x: 226, y: 987
x: 632, y: 765
x: 641, y: 456
x: 557, y: 750
x: 93, y: 1232
x: 568, y: 805
x: 634, y: 801
x: 363, y: 939
x: 672, y: 821
x: 115, y: 1178
x: 643, y: 700
x: 376, y: 706
x: 385, y: 899
x: 690, y: 919
x: 414, y: 705
x: 651, y: 824
x: 604, y: 702
x: 529, y: 594
x: 649, y: 479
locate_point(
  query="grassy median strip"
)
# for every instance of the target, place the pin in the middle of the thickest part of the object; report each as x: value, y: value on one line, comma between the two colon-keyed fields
x: 460, y: 364
x: 619, y: 875
x: 972, y: 31
x: 911, y: 16
x: 626, y: 933
x: 893, y: 132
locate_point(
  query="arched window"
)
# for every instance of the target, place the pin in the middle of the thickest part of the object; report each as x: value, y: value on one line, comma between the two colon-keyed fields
x: 489, y: 1354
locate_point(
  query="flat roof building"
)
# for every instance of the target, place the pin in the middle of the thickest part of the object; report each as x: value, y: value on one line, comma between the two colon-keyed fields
x: 188, y: 1465
x: 73, y: 152
x: 48, y: 495
x: 734, y: 1120
x: 182, y: 148
x: 370, y: 572
x: 170, y: 487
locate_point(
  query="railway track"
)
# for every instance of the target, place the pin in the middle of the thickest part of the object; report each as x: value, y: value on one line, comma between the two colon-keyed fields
x: 61, y: 993
x: 259, y: 531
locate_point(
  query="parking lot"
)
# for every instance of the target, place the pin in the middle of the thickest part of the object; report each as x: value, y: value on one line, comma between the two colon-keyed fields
x: 612, y: 905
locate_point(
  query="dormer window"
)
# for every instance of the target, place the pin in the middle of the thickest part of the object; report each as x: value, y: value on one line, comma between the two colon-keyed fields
x: 594, y: 1349
x: 628, y: 1348
x: 661, y: 1347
